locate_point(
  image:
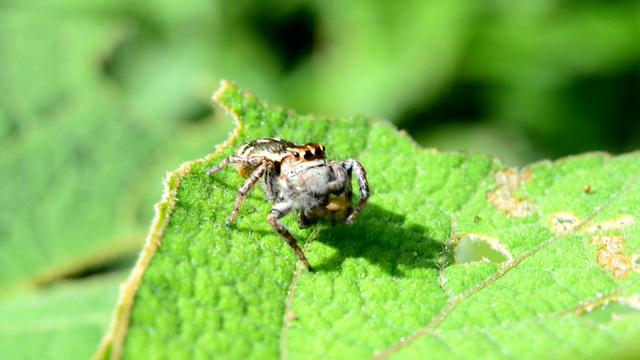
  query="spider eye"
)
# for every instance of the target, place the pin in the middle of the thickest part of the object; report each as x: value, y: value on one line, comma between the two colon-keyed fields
x: 308, y: 155
x: 296, y: 154
x: 319, y: 150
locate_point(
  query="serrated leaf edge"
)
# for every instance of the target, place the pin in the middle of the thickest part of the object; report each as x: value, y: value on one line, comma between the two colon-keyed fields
x: 112, y: 343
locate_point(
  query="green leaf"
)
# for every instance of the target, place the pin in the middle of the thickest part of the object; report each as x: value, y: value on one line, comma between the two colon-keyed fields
x: 454, y: 256
x: 64, y: 321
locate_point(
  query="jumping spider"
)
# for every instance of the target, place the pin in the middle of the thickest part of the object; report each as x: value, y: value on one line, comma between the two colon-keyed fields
x: 298, y: 178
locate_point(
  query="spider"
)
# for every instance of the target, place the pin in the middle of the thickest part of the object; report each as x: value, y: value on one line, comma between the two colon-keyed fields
x: 298, y: 178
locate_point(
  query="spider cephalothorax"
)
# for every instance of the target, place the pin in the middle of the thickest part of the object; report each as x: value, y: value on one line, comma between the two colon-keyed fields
x: 299, y: 178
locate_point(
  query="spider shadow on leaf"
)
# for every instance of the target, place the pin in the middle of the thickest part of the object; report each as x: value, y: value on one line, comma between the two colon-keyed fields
x: 378, y: 235
x: 382, y: 238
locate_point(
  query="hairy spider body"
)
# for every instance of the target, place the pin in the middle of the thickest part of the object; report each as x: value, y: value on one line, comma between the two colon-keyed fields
x: 299, y: 178
x: 320, y: 188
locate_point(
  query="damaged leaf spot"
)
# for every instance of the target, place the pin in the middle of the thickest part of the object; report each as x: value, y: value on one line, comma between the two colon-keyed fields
x: 563, y: 221
x: 614, y: 243
x: 610, y: 254
x: 472, y: 248
x: 620, y: 222
x: 503, y: 196
x: 608, y: 308
x: 616, y: 262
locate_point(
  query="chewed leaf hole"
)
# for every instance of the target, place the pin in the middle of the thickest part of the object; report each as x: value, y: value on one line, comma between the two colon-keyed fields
x: 609, y: 309
x: 475, y: 248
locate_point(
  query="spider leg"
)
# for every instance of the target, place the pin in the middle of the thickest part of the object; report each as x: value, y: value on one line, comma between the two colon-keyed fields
x: 311, y: 216
x: 352, y: 165
x: 222, y: 164
x: 244, y: 189
x: 231, y: 159
x: 340, y: 183
x: 271, y: 187
x: 303, y: 222
x: 279, y: 210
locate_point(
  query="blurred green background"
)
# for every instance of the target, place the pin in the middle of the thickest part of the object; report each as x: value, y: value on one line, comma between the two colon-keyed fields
x: 101, y: 98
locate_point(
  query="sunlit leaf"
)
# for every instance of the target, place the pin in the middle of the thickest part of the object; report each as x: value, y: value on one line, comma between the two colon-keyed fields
x: 550, y: 267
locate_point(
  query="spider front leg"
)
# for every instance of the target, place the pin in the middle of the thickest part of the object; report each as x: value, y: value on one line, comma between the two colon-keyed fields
x: 352, y: 165
x: 223, y: 163
x: 279, y: 210
x: 244, y: 189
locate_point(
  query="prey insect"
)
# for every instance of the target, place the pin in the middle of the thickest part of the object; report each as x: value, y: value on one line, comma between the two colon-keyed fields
x: 298, y: 178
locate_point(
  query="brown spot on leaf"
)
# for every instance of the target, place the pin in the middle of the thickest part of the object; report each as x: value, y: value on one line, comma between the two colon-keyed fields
x: 620, y: 222
x: 563, y: 221
x: 610, y: 255
x: 621, y: 266
x: 610, y: 260
x: 503, y: 196
x: 614, y: 243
